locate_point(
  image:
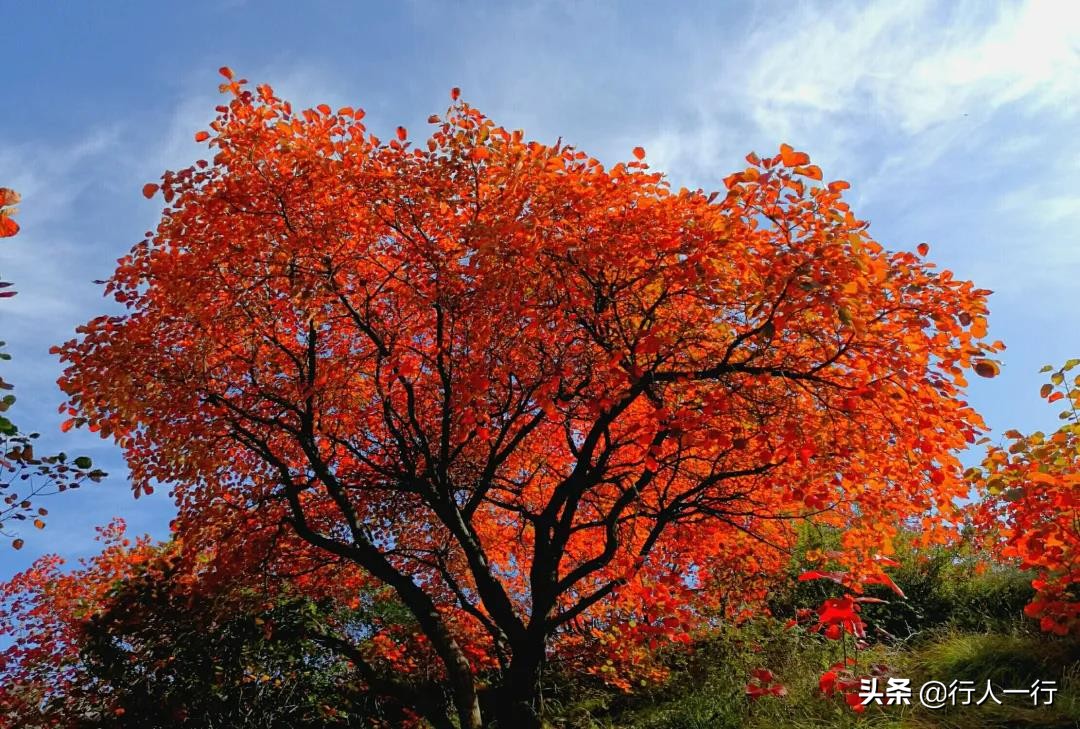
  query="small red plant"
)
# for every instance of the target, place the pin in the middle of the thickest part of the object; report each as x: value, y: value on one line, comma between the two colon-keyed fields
x: 764, y: 683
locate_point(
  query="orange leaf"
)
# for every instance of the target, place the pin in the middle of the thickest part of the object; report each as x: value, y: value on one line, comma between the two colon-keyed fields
x: 923, y: 249
x: 639, y: 152
x: 226, y: 72
x: 202, y: 136
x: 455, y: 93
x: 978, y: 327
x: 149, y: 190
x: 402, y: 133
x: 8, y: 196
x: 791, y: 158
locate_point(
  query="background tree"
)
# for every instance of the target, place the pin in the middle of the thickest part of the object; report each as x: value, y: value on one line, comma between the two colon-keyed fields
x: 41, y: 610
x: 1030, y: 505
x: 131, y: 638
x: 23, y: 474
x: 562, y: 410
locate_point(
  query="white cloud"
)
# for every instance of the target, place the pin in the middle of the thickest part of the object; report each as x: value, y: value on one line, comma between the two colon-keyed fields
x: 830, y: 77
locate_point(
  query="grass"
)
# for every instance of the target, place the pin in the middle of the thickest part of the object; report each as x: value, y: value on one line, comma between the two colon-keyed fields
x: 956, y: 623
x: 707, y: 690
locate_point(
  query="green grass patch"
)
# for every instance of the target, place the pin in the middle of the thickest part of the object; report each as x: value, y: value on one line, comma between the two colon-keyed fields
x: 706, y: 690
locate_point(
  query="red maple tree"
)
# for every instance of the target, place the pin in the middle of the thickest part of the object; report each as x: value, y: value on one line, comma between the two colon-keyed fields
x: 1029, y: 509
x: 563, y: 410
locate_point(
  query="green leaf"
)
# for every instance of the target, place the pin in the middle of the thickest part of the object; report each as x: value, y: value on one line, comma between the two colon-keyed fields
x: 83, y: 462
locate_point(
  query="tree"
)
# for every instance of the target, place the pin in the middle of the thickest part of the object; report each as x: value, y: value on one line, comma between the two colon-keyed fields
x: 131, y: 638
x: 40, y: 613
x: 1030, y: 505
x: 562, y: 410
x: 24, y: 475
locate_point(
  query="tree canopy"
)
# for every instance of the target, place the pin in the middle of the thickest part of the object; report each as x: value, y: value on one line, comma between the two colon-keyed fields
x: 1029, y: 510
x: 562, y: 409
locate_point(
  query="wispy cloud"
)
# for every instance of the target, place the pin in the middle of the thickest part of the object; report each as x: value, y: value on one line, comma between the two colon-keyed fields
x: 908, y: 77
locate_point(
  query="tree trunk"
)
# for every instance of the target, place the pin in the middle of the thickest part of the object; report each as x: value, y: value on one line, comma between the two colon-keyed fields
x: 517, y: 703
x: 466, y: 700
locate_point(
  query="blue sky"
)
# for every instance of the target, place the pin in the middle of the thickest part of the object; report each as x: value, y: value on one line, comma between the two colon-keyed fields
x: 955, y: 122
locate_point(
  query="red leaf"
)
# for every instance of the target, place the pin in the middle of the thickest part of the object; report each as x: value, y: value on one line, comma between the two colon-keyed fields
x: 754, y: 691
x: 8, y: 227
x: 884, y: 579
x: 837, y: 577
x: 763, y: 674
x: 855, y: 702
